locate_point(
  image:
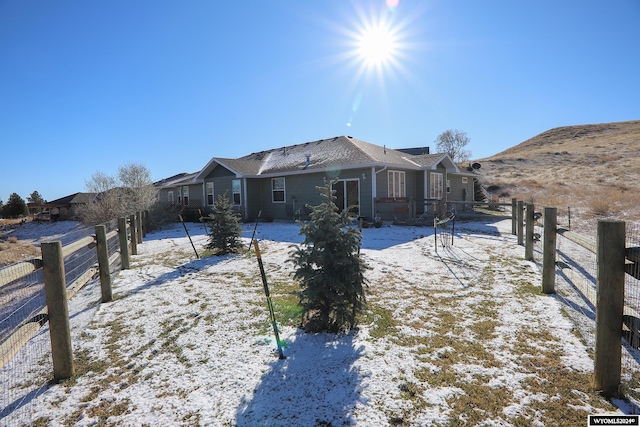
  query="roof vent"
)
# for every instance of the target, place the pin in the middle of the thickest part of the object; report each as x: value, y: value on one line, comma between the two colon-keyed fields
x: 308, y: 161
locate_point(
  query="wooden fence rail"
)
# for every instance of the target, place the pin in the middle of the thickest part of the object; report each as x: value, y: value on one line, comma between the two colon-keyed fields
x: 58, y: 293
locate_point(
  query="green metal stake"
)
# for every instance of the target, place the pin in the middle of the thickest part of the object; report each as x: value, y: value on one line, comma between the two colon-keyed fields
x: 272, y: 315
x: 189, y: 236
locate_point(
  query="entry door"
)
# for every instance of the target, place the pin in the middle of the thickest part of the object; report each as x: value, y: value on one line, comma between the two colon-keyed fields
x: 348, y: 194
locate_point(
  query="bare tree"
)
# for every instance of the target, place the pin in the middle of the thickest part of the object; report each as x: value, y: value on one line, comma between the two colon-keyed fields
x: 106, y: 202
x: 453, y: 142
x: 135, y: 180
x: 115, y: 196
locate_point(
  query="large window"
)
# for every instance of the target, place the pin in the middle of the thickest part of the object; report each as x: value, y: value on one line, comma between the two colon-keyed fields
x: 436, y: 185
x: 170, y: 197
x: 277, y: 190
x: 209, y: 193
x: 235, y: 190
x: 396, y: 184
x: 185, y: 195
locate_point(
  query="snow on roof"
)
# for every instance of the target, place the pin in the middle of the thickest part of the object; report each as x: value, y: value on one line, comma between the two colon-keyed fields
x: 181, y: 178
x: 339, y: 151
x: 336, y: 152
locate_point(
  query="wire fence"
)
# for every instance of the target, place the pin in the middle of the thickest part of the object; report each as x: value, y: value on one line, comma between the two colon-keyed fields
x: 25, y: 345
x: 444, y: 231
x: 631, y: 354
x: 22, y: 304
x: 575, y: 287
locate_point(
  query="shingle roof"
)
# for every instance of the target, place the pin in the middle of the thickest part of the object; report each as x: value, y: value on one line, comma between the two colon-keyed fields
x: 181, y: 178
x: 75, y: 198
x: 242, y: 165
x: 339, y: 151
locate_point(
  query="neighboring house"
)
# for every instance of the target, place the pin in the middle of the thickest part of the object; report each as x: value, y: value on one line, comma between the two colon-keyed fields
x: 372, y: 179
x: 183, y: 190
x: 66, y: 208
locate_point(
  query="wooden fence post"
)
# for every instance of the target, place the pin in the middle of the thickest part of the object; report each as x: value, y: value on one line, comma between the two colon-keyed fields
x: 609, y: 306
x: 103, y: 262
x: 549, y: 251
x: 528, y: 248
x: 124, y: 243
x: 55, y: 288
x: 520, y: 212
x: 139, y: 224
x: 514, y: 216
x: 134, y: 234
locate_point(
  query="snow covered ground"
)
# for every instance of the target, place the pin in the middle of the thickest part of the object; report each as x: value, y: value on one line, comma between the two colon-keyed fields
x: 457, y: 336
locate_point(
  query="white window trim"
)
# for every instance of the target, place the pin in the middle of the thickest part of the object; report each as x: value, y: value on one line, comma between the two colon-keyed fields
x: 391, y: 176
x: 436, y: 183
x: 233, y: 193
x: 284, y: 190
x: 185, y: 192
x: 213, y: 194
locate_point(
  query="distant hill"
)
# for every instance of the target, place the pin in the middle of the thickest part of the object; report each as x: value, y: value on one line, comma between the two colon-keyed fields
x: 593, y: 169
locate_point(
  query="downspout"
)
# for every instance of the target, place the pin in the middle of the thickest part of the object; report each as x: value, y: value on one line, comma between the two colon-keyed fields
x: 244, y: 198
x: 204, y: 196
x: 425, y: 190
x: 374, y: 183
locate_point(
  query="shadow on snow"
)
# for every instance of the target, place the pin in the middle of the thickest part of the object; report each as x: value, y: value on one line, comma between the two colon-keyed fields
x: 318, y: 374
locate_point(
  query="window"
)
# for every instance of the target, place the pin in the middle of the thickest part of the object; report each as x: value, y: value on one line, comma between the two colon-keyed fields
x: 448, y: 186
x: 277, y: 190
x: 436, y: 185
x: 170, y: 197
x: 209, y: 193
x: 235, y: 190
x: 396, y: 184
x: 185, y: 195
x: 465, y: 180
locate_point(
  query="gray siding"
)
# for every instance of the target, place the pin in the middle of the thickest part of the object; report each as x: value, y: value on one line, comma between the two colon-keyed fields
x: 301, y: 190
x: 460, y: 190
x: 254, y: 199
x: 195, y: 195
x: 221, y: 179
x: 413, y: 183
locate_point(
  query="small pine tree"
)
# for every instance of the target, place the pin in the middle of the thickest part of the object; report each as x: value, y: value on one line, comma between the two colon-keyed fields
x: 224, y: 226
x: 329, y: 268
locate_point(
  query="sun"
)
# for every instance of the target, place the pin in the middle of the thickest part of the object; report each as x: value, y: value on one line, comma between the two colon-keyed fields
x: 377, y: 45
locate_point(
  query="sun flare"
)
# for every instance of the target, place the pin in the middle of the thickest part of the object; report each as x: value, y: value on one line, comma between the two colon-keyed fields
x: 377, y: 45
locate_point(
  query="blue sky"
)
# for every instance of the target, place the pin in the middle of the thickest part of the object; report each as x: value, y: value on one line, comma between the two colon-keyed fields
x: 88, y: 86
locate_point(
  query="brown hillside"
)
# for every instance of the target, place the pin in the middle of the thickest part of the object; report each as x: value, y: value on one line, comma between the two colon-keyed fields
x: 592, y: 169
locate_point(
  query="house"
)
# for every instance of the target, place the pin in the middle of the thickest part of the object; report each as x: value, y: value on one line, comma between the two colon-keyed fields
x: 66, y: 208
x: 372, y: 180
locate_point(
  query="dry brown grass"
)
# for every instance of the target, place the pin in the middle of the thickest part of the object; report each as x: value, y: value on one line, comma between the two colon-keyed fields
x: 593, y: 169
x: 13, y: 251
